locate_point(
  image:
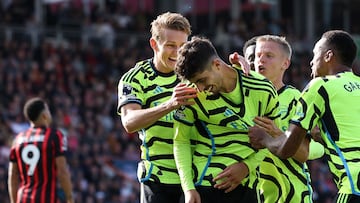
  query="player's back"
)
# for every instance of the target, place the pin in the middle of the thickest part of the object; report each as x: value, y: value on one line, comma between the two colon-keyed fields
x: 332, y: 102
x: 34, y: 151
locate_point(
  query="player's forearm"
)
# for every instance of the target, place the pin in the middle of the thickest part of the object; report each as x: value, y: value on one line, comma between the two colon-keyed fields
x: 302, y: 153
x: 134, y: 120
x: 286, y: 145
x: 182, y: 154
x: 13, y: 183
x: 65, y: 182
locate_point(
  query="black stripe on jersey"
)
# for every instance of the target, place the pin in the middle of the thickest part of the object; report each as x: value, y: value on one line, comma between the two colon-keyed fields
x: 155, y: 178
x: 203, y: 143
x: 161, y: 123
x: 231, y: 156
x: 227, y: 120
x: 229, y: 133
x: 351, y: 149
x: 304, y: 107
x: 272, y: 110
x: 166, y: 86
x: 254, y: 83
x: 234, y: 142
x: 294, y: 171
x: 156, y: 97
x: 161, y: 157
x: 158, y: 139
x: 196, y: 153
x: 139, y: 67
x: 291, y: 194
x: 358, y: 181
x: 217, y: 165
x: 167, y: 169
x: 210, y: 179
x: 260, y: 87
x: 292, y: 104
x: 275, y: 181
x: 305, y: 194
x: 328, y: 118
x: 182, y: 121
x: 197, y: 101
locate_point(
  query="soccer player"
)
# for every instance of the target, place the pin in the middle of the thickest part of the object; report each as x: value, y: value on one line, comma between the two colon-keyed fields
x: 281, y: 180
x: 37, y: 158
x: 148, y: 95
x: 249, y: 51
x: 226, y: 103
x: 331, y: 102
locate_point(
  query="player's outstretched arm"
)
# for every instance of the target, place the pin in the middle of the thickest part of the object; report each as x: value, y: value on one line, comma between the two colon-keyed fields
x: 284, y: 146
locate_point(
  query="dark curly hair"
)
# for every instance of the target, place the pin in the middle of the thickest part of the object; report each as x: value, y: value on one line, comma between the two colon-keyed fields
x: 193, y: 57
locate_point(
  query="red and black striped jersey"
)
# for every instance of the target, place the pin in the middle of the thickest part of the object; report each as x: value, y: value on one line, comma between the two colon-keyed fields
x: 34, y: 151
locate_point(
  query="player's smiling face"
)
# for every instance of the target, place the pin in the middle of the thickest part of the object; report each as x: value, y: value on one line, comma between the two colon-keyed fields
x: 209, y: 80
x: 167, y: 47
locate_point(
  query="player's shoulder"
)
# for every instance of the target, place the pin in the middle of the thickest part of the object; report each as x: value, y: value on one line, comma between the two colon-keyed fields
x: 141, y: 68
x: 289, y: 90
x: 254, y: 77
x: 257, y: 81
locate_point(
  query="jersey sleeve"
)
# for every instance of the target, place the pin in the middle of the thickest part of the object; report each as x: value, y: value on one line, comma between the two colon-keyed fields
x: 254, y: 160
x: 272, y: 108
x: 129, y: 91
x: 183, y: 125
x: 316, y: 150
x: 60, y: 142
x: 309, y: 107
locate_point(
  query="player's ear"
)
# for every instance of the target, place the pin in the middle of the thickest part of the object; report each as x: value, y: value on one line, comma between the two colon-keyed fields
x: 286, y: 64
x: 216, y: 62
x: 153, y: 44
x: 328, y: 55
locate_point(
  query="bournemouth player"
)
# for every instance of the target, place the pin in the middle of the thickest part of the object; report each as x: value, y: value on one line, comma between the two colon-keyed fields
x: 37, y: 159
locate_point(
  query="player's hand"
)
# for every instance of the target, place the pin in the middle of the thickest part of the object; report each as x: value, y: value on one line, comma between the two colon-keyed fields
x: 236, y: 59
x: 182, y: 95
x: 192, y: 196
x: 268, y: 125
x: 231, y: 177
x: 316, y: 135
x: 257, y: 136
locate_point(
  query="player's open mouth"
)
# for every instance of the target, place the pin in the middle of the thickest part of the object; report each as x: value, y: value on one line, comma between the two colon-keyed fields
x: 261, y: 68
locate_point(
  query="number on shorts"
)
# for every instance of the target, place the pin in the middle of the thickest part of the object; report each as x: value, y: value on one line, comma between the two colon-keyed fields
x: 30, y: 155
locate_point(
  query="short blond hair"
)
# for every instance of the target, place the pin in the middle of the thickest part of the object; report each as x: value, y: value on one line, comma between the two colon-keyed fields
x: 173, y: 21
x: 284, y: 44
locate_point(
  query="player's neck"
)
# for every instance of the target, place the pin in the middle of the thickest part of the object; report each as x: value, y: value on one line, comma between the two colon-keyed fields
x: 230, y: 79
x: 338, y: 69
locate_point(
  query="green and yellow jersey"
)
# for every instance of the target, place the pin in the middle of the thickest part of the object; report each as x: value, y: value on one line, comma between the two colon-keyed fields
x: 221, y: 135
x: 332, y: 103
x: 284, y: 180
x: 144, y: 85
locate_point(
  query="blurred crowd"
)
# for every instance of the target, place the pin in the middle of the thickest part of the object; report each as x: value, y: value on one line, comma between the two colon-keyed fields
x: 80, y: 83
